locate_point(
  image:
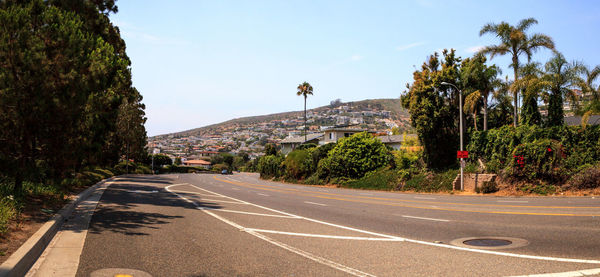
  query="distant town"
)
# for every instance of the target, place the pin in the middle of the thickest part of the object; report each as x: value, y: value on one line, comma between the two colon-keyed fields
x: 250, y: 136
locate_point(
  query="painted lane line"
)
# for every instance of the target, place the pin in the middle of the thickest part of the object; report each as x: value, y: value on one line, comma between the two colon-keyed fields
x: 427, y: 198
x: 262, y: 194
x: 196, y: 193
x: 305, y: 218
x: 505, y: 254
x: 425, y: 218
x: 300, y: 252
x: 512, y: 201
x: 320, y: 236
x: 221, y: 201
x: 292, y: 249
x: 259, y: 214
x: 365, y: 193
x: 235, y: 189
x: 313, y: 203
x: 586, y: 272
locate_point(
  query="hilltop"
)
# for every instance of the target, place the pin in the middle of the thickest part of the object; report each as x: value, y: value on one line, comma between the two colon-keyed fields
x: 397, y: 113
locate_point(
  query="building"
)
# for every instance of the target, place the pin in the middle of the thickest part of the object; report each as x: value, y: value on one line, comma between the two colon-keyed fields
x: 289, y: 144
x: 208, y: 153
x: 576, y: 120
x: 395, y: 141
x: 199, y: 163
x: 334, y: 134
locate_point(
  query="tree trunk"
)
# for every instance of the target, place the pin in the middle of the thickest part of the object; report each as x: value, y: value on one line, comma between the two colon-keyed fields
x: 304, y: 118
x: 485, y: 111
x: 475, y: 120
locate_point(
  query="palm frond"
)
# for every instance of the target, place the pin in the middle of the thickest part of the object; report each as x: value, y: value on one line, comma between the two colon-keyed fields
x: 524, y: 24
x: 489, y: 28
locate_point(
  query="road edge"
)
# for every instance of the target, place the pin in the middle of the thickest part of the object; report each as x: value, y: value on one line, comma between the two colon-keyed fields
x: 21, y: 260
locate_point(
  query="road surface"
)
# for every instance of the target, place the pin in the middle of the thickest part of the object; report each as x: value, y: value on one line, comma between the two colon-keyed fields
x: 239, y: 225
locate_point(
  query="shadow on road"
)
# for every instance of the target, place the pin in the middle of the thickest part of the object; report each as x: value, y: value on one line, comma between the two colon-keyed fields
x: 130, y: 207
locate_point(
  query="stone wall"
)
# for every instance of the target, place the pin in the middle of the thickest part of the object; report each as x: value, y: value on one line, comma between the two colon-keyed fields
x: 473, y: 180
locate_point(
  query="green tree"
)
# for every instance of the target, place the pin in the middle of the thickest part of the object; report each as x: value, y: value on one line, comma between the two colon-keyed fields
x: 356, y: 155
x: 304, y: 89
x: 592, y: 104
x: 472, y: 104
x: 560, y: 76
x: 479, y: 78
x: 515, y: 41
x: 270, y: 149
x: 161, y: 160
x: 434, y: 109
x: 532, y: 84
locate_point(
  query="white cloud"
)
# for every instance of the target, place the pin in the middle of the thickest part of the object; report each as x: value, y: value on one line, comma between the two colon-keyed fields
x: 408, y: 46
x: 474, y: 49
x: 356, y: 57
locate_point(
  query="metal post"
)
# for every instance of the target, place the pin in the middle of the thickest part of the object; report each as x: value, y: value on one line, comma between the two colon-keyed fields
x: 462, y: 162
x: 153, y: 163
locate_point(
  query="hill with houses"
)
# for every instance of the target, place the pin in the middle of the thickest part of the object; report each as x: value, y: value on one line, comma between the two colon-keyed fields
x: 250, y: 134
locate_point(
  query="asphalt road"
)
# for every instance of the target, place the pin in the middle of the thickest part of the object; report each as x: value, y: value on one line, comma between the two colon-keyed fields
x: 239, y: 225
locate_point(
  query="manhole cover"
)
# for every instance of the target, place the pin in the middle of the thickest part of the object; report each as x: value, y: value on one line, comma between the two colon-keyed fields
x: 490, y: 243
x: 487, y: 242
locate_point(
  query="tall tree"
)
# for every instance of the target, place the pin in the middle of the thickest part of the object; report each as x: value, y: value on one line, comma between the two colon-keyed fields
x: 514, y: 41
x: 434, y: 109
x: 473, y: 103
x: 532, y: 84
x: 478, y: 77
x: 591, y: 91
x: 304, y: 89
x: 561, y: 76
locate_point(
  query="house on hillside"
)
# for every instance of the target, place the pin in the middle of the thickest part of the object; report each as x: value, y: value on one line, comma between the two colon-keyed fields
x: 334, y: 134
x: 289, y: 144
x: 199, y: 163
x: 395, y: 141
x: 576, y: 120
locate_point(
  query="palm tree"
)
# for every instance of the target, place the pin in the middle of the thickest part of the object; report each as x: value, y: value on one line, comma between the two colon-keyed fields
x: 560, y: 76
x: 532, y: 84
x: 304, y: 89
x: 514, y: 41
x: 481, y: 78
x: 472, y: 104
x: 587, y: 88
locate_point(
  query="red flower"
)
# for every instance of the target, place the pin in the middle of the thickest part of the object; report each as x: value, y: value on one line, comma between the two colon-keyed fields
x: 549, y: 149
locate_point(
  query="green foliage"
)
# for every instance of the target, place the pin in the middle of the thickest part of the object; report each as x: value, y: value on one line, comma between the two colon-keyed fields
x: 537, y: 160
x: 531, y: 113
x: 270, y: 149
x: 306, y: 146
x: 161, y: 160
x: 269, y: 166
x: 322, y: 152
x: 538, y: 188
x: 434, y: 109
x: 431, y: 181
x: 8, y: 211
x: 356, y: 155
x: 298, y: 164
x: 382, y: 179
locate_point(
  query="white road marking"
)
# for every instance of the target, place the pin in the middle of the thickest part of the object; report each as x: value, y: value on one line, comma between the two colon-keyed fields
x: 427, y: 198
x: 425, y: 218
x: 259, y: 214
x: 315, y: 203
x: 512, y: 201
x: 506, y: 254
x: 221, y: 201
x: 196, y: 193
x: 365, y: 193
x: 143, y: 191
x: 300, y: 252
x: 235, y: 189
x: 263, y: 194
x: 586, y: 272
x: 320, y: 236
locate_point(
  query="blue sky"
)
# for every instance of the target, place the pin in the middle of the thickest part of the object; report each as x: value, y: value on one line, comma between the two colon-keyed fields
x: 202, y: 62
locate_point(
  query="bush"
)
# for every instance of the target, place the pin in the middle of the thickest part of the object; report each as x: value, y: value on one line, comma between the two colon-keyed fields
x: 298, y: 164
x: 487, y: 187
x: 8, y: 211
x: 588, y: 178
x: 384, y: 179
x: 269, y: 166
x: 538, y: 160
x: 356, y: 155
x: 431, y: 181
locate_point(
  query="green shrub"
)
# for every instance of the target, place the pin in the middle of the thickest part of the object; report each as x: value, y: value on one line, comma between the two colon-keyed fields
x: 383, y: 179
x: 322, y: 152
x: 431, y: 181
x: 269, y: 166
x: 306, y: 146
x: 8, y: 211
x: 538, y: 160
x: 406, y: 159
x: 314, y: 180
x: 298, y: 164
x: 538, y: 188
x: 588, y: 178
x: 356, y: 155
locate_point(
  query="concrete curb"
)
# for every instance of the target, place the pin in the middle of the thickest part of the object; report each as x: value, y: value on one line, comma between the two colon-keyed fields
x: 19, y: 262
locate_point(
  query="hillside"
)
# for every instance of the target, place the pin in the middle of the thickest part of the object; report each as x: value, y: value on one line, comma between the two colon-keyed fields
x: 393, y: 105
